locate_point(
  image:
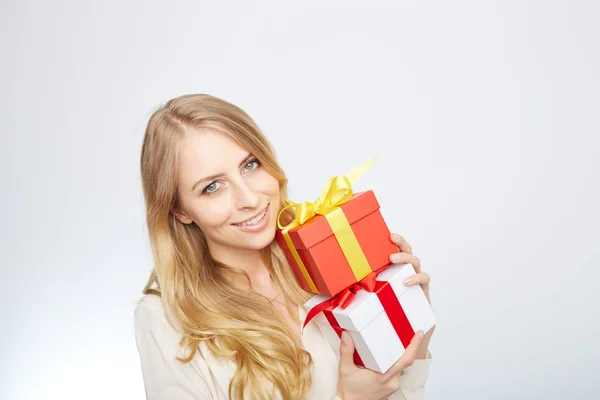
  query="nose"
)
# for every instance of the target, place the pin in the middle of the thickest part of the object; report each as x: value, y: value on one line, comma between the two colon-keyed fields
x: 245, y: 196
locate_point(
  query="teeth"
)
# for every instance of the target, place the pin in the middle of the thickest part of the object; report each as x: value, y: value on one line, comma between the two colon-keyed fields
x: 254, y: 220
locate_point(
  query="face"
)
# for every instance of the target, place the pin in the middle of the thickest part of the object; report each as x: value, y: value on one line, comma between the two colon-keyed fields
x: 226, y: 192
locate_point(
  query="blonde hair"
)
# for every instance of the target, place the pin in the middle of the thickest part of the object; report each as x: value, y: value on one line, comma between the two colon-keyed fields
x: 233, y: 323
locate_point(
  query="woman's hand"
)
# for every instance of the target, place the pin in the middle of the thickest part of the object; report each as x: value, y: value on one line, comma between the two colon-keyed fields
x: 365, y: 384
x: 405, y: 256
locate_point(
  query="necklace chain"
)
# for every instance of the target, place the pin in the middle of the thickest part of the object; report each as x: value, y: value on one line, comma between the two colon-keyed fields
x: 274, y: 299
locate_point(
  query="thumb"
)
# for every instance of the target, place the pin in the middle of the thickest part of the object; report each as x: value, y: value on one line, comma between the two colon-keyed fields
x: 347, y: 349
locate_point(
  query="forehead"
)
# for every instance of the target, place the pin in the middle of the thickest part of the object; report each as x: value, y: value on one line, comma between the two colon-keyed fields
x: 207, y: 152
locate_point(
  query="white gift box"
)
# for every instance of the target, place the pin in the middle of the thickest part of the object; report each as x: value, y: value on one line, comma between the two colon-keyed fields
x: 380, y: 334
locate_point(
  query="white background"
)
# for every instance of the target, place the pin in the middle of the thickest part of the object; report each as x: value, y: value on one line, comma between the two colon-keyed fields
x: 483, y: 116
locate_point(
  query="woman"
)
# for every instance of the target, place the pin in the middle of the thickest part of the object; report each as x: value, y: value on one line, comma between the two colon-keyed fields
x: 222, y: 313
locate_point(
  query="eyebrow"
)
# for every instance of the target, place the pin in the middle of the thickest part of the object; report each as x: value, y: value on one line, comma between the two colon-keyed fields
x: 213, y: 177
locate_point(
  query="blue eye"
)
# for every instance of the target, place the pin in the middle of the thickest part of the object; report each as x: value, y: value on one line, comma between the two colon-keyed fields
x: 252, y: 165
x: 211, y: 188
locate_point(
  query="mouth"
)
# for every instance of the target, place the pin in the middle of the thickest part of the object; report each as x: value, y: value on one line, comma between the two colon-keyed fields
x: 256, y: 220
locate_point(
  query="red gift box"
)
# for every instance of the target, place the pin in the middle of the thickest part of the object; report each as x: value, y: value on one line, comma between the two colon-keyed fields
x: 323, y: 258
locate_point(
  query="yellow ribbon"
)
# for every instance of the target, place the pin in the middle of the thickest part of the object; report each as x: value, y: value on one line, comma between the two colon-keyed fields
x: 337, y: 191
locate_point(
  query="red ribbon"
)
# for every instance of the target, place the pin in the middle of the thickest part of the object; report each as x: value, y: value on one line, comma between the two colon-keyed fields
x: 395, y: 312
x: 345, y: 297
x: 338, y: 330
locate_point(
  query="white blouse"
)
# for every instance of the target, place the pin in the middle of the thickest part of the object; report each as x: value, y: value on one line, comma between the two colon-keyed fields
x: 208, y: 377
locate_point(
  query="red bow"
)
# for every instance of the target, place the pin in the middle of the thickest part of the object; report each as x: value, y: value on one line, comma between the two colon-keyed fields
x: 345, y: 297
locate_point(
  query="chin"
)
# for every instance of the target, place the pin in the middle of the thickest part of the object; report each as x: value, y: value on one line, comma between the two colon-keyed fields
x: 262, y: 240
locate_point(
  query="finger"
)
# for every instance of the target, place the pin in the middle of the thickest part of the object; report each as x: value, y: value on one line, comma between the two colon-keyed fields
x: 422, y: 278
x: 346, y: 351
x: 406, y: 258
x: 408, y: 357
x: 401, y: 243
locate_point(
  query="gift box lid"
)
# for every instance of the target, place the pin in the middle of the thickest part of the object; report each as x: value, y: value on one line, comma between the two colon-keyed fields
x: 366, y: 306
x: 317, y: 228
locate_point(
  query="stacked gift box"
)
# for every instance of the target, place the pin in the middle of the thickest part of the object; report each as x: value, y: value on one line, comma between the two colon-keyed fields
x: 339, y: 248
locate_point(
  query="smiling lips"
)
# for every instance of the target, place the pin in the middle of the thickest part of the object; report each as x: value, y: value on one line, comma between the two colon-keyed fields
x: 256, y: 223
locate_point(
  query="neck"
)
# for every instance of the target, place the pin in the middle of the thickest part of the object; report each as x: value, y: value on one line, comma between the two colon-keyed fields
x: 250, y: 261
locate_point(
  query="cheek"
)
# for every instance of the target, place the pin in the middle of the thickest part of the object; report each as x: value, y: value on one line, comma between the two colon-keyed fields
x: 212, y: 215
x: 268, y: 184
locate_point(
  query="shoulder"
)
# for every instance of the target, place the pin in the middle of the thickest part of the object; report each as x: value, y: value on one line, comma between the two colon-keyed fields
x: 158, y: 343
x: 147, y: 306
x: 149, y: 314
x: 150, y: 302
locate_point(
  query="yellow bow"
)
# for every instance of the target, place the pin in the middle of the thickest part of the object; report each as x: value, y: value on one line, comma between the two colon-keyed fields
x: 336, y: 192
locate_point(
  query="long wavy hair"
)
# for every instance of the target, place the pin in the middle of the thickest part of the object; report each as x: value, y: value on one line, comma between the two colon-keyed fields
x: 195, y: 289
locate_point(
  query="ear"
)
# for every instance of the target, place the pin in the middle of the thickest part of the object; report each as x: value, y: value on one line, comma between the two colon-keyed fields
x: 181, y: 216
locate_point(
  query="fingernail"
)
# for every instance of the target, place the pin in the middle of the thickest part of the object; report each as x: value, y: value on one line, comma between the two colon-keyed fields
x: 407, y: 281
x: 345, y: 337
x: 421, y: 333
x: 395, y: 236
x: 394, y: 258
